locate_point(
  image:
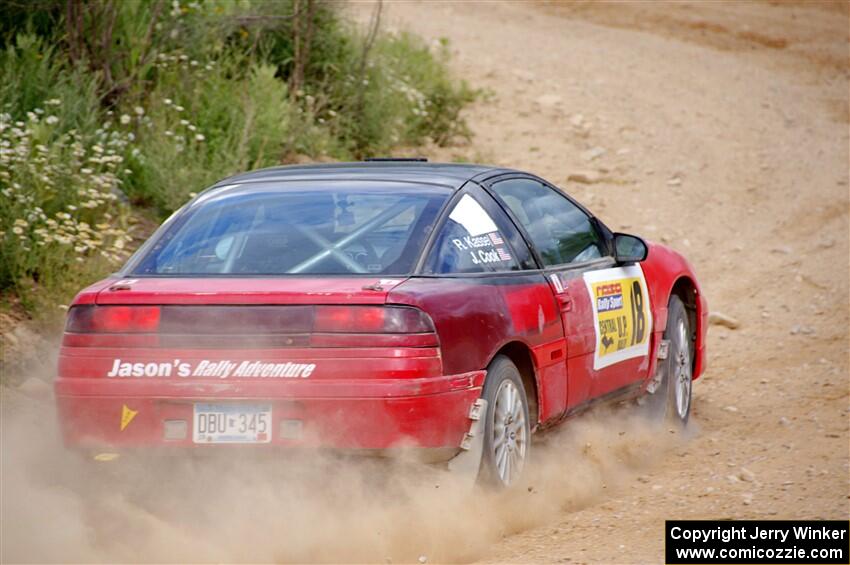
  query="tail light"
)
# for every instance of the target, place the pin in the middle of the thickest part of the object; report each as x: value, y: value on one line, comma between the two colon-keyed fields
x: 247, y: 327
x: 371, y: 319
x: 113, y: 319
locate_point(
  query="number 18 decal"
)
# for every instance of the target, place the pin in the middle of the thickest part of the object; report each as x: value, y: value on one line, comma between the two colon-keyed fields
x: 621, y: 312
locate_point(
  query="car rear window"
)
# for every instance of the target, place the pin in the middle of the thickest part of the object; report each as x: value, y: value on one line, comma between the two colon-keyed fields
x: 309, y: 228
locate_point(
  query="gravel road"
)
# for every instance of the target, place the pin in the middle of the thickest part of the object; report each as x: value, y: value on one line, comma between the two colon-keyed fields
x: 721, y: 130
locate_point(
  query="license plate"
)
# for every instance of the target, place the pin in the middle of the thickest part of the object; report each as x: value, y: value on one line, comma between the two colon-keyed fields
x: 232, y: 423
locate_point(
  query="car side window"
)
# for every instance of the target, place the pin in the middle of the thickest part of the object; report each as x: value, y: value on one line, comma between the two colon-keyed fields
x: 473, y: 240
x: 561, y: 231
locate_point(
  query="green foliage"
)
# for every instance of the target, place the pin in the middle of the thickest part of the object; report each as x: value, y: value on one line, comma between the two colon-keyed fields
x: 373, y: 97
x: 61, y: 221
x: 36, y: 17
x: 105, y: 105
x: 405, y: 96
x: 441, y: 98
x: 32, y: 72
x: 202, y: 126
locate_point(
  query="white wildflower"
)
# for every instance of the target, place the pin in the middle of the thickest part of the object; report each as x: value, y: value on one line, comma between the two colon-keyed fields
x: 125, y: 119
x: 199, y: 137
x: 139, y: 110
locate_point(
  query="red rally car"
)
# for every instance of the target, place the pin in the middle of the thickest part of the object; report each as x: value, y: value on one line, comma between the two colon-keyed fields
x: 373, y: 306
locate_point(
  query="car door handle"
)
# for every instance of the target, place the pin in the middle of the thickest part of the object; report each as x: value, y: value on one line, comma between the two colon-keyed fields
x: 565, y: 302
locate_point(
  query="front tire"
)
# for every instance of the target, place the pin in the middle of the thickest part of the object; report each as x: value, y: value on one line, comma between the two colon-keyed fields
x: 507, y: 431
x: 671, y: 401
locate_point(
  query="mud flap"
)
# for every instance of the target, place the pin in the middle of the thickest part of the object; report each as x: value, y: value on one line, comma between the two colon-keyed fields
x: 467, y: 463
x: 656, y: 379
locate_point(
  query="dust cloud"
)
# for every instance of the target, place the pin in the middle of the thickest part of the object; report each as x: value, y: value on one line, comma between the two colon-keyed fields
x: 289, y: 506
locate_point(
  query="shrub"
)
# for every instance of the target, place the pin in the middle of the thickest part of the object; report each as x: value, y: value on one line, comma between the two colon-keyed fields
x: 436, y: 99
x: 203, y: 124
x: 405, y: 97
x: 105, y: 105
x: 33, y: 72
x: 372, y: 93
x: 61, y: 220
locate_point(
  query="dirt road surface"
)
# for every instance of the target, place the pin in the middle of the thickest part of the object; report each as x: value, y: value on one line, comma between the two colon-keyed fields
x: 719, y: 130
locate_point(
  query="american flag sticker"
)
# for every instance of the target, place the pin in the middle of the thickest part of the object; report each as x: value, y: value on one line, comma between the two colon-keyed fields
x: 503, y: 254
x: 496, y: 238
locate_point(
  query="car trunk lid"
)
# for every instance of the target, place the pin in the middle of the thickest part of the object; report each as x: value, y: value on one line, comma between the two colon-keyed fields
x: 247, y: 314
x: 248, y: 290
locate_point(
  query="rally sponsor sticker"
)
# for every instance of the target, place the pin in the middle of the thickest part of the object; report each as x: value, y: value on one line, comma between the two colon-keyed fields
x: 621, y: 312
x: 206, y: 368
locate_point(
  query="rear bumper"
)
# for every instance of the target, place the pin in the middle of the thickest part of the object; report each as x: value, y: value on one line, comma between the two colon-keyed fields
x: 359, y: 414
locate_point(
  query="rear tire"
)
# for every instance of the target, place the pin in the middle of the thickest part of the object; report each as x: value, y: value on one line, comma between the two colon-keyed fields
x: 507, y: 431
x: 671, y: 402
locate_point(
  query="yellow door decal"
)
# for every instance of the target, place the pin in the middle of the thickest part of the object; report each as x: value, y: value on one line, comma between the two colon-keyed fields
x: 127, y: 415
x: 622, y: 317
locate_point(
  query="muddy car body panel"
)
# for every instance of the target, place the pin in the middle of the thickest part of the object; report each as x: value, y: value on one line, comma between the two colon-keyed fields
x: 359, y: 306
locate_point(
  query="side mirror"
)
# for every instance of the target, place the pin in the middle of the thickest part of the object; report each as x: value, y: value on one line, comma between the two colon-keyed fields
x: 629, y: 248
